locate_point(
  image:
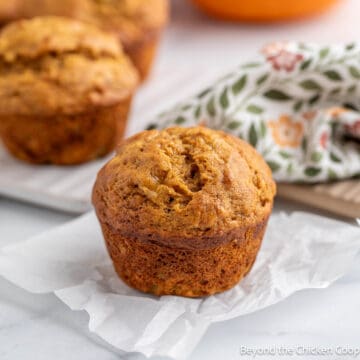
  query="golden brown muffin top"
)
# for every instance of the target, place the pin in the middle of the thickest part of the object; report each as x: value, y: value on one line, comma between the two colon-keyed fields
x: 183, y: 184
x: 56, y: 65
x: 132, y: 20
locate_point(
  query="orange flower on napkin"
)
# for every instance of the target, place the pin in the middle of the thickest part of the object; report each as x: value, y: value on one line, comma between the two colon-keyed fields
x: 336, y: 111
x: 286, y: 132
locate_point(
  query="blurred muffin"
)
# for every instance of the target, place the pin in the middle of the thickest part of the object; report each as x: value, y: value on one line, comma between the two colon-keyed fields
x: 137, y: 23
x: 9, y: 10
x: 183, y: 210
x: 66, y: 8
x: 65, y: 90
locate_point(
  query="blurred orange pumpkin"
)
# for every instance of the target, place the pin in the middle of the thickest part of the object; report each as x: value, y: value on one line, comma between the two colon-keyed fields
x: 262, y: 10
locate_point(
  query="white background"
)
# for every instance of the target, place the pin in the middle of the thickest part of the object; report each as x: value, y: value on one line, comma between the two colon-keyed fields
x: 194, y: 50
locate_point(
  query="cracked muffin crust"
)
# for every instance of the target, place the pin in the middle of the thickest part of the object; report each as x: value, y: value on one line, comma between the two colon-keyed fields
x: 183, y: 210
x: 65, y: 90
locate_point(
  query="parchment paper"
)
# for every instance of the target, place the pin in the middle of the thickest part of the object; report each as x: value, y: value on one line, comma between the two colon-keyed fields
x: 299, y: 251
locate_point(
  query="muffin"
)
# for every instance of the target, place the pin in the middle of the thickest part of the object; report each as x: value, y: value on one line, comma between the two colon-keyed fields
x: 34, y: 8
x: 136, y: 23
x: 65, y: 90
x: 9, y: 10
x: 183, y: 210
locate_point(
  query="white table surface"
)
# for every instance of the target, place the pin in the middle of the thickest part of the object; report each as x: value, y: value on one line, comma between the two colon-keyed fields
x: 41, y: 327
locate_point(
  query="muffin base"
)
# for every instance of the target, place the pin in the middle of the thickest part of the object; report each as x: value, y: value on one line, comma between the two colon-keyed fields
x: 161, y: 270
x: 65, y: 139
x: 143, y: 54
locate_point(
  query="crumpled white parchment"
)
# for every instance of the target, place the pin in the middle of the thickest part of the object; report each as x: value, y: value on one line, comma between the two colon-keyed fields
x: 299, y: 251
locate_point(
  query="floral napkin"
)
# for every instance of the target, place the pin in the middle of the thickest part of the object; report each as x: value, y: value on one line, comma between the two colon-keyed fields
x: 297, y: 104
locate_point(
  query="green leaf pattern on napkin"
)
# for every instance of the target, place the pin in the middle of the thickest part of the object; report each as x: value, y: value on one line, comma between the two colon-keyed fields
x: 296, y: 103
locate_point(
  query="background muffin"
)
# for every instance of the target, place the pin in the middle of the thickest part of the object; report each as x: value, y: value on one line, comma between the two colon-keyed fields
x: 137, y: 23
x: 65, y: 90
x: 9, y: 10
x: 183, y: 210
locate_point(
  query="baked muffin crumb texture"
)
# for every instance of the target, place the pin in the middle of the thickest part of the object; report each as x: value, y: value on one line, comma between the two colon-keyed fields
x: 183, y: 211
x: 193, y: 182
